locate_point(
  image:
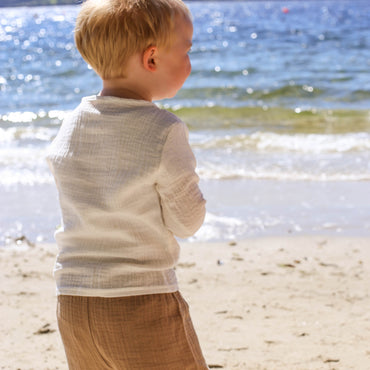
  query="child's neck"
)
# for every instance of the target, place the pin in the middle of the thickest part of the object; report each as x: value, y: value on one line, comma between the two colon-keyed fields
x: 125, y: 90
x: 122, y: 93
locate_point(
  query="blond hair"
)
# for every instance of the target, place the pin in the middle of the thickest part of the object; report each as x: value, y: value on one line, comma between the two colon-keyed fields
x: 109, y: 32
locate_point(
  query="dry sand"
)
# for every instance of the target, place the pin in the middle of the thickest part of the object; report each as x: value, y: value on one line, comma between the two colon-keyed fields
x: 265, y: 303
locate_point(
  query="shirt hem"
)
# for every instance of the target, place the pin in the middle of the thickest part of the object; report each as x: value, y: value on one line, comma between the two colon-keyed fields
x: 112, y: 293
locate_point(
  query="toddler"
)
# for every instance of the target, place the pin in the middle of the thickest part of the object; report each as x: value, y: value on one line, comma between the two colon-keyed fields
x: 127, y: 186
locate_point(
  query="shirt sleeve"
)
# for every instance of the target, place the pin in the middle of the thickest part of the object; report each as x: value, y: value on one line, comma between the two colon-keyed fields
x: 182, y: 202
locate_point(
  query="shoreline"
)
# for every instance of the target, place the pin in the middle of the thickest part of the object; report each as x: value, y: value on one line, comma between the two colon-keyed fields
x: 295, y: 302
x: 247, y: 209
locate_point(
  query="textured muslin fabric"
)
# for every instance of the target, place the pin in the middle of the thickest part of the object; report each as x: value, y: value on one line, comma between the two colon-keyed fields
x: 128, y: 333
x: 127, y: 185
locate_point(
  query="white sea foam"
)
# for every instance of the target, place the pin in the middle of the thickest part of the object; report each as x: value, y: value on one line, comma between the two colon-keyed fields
x: 311, y: 143
x: 225, y: 227
x: 239, y: 173
x: 11, y: 178
x: 272, y: 156
x: 220, y: 227
x: 25, y: 166
x: 276, y: 142
x: 282, y: 156
x: 15, y: 135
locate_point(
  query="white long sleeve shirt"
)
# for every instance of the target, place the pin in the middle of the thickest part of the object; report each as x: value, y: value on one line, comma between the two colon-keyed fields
x: 127, y: 185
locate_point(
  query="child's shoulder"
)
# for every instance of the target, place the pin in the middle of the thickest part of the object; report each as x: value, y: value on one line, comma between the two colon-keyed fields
x: 167, y: 117
x: 156, y: 115
x: 137, y: 114
x: 111, y: 104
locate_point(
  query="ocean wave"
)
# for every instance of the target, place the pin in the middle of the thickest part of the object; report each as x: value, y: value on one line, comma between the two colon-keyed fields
x: 235, y: 173
x: 28, y: 134
x: 28, y: 177
x: 300, y: 143
x: 245, y: 128
x: 10, y: 177
x: 23, y: 128
x: 231, y: 91
x: 208, y: 116
x: 301, y: 119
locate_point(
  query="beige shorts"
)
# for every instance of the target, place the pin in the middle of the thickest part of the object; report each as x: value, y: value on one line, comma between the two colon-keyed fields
x: 139, y: 332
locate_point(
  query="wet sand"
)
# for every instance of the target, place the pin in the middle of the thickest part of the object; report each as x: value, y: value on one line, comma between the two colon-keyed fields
x: 261, y: 303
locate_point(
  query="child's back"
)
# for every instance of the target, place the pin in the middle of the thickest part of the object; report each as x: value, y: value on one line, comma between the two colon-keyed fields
x: 127, y: 186
x: 126, y: 181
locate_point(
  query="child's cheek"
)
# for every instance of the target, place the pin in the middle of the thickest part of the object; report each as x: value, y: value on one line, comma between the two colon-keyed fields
x: 189, y: 66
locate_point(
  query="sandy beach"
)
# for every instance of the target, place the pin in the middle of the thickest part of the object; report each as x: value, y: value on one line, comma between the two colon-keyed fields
x: 263, y: 303
x: 277, y: 106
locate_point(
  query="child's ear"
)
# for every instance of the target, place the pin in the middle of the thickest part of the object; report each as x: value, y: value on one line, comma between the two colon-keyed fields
x: 150, y: 58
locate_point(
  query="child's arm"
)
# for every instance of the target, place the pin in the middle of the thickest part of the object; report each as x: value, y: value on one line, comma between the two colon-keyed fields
x: 183, y: 205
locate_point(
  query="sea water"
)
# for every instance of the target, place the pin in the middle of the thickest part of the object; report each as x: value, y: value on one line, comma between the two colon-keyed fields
x: 277, y: 105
